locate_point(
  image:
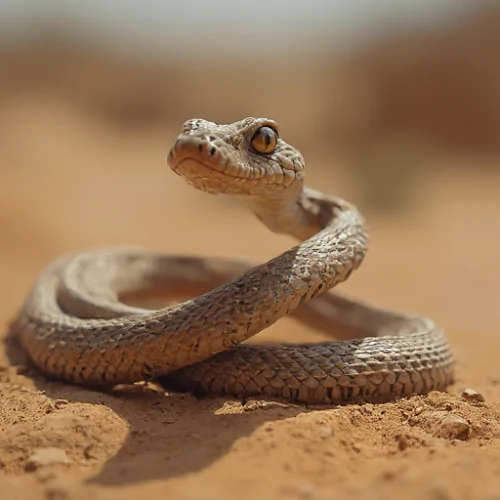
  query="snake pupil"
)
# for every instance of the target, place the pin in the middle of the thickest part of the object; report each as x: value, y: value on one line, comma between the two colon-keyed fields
x: 264, y: 140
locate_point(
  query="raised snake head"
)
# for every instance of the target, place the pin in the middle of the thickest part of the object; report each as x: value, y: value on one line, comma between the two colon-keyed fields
x: 244, y: 158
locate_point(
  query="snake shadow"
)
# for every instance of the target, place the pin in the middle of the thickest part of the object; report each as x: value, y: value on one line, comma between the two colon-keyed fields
x: 168, y: 436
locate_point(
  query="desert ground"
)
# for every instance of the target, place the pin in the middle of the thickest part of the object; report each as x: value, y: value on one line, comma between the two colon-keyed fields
x: 73, y: 178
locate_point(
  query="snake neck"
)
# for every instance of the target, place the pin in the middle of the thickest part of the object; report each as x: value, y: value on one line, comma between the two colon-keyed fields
x: 298, y: 211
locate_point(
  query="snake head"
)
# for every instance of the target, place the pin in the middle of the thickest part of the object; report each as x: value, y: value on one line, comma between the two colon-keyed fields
x: 244, y: 158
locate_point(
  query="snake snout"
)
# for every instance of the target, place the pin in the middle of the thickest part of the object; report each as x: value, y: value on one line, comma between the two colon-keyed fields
x: 208, y: 163
x: 199, y: 158
x: 199, y: 148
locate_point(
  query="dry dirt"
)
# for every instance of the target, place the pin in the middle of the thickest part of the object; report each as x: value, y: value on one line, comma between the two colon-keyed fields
x: 70, y: 181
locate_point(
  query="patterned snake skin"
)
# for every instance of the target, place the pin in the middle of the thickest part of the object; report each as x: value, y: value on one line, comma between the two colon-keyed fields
x: 75, y: 324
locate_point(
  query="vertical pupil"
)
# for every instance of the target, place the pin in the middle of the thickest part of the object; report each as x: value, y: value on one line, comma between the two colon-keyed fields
x: 268, y: 139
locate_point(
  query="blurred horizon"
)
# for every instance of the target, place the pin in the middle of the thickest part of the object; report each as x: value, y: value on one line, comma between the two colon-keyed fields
x: 176, y: 29
x: 362, y: 76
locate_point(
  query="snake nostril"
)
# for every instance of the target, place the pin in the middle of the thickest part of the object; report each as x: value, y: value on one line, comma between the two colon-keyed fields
x: 200, y: 148
x: 212, y: 151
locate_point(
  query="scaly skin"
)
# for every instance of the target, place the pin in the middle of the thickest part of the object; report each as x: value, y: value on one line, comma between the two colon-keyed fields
x: 75, y: 326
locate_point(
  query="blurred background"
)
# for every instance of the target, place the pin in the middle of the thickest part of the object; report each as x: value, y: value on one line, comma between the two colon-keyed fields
x: 395, y: 105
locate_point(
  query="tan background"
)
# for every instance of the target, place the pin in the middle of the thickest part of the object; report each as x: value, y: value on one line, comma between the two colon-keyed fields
x: 407, y: 127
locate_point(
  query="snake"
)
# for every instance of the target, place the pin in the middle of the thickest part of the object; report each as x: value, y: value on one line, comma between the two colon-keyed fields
x: 81, y: 323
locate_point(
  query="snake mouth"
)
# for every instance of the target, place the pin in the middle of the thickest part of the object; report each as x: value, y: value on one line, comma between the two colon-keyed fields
x: 190, y: 165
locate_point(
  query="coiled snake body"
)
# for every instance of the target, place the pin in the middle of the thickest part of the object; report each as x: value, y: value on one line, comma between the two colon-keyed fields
x: 75, y: 325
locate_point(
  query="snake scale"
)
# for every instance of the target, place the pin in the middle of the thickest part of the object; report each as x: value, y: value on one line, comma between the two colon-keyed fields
x: 76, y: 325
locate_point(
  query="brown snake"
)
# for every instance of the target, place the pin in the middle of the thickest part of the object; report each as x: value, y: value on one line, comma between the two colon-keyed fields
x: 75, y: 324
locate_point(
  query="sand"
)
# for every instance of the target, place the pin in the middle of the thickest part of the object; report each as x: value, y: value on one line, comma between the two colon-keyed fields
x: 71, y: 180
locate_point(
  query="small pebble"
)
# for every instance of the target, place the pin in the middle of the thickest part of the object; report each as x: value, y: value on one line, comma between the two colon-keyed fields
x: 46, y: 456
x: 453, y: 427
x: 472, y: 395
x: 418, y: 410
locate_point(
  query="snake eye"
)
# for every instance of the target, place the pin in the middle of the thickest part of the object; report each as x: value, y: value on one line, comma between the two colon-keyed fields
x: 264, y: 140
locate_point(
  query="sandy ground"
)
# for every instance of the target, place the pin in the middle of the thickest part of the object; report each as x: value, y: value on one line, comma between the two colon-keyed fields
x: 69, y: 181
